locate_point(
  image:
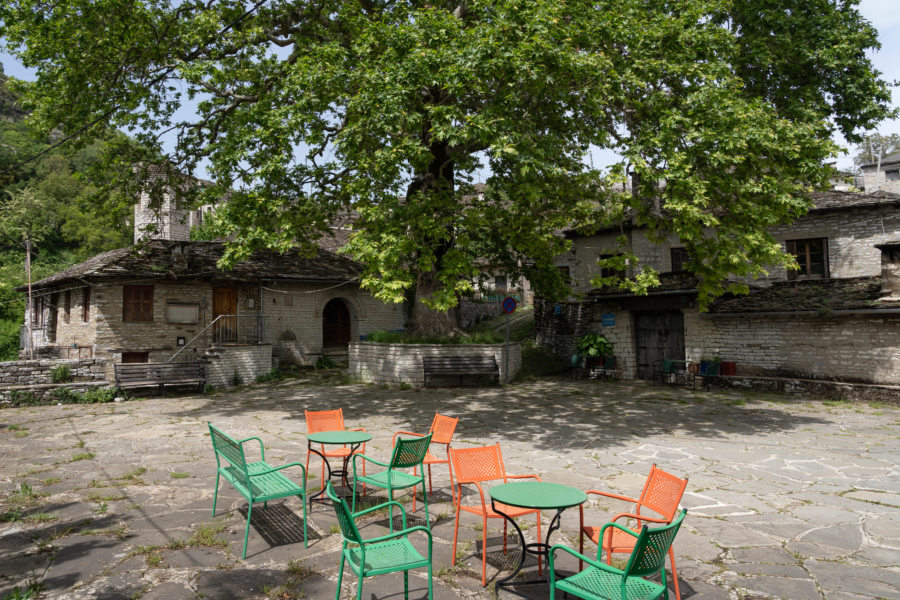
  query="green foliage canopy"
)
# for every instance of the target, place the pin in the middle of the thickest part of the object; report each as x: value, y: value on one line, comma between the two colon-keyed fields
x: 721, y: 111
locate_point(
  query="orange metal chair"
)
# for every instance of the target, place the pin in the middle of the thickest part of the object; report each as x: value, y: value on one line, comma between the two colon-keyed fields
x: 330, y: 420
x: 474, y: 466
x: 443, y: 428
x: 661, y: 494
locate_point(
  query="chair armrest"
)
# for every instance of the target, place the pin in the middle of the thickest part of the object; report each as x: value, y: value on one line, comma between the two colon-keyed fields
x: 617, y: 526
x: 398, y: 533
x: 524, y: 477
x: 262, y: 450
x: 272, y: 470
x: 378, y: 506
x: 370, y: 459
x: 638, y: 518
x: 611, y: 495
x: 394, y: 439
x: 593, y: 563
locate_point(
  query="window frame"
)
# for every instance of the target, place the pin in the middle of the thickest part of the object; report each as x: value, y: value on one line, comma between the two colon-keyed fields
x: 684, y: 257
x: 86, y: 304
x: 793, y: 247
x: 137, y: 303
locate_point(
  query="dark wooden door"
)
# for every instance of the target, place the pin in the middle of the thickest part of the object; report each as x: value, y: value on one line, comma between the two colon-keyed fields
x: 335, y: 324
x: 225, y: 306
x: 660, y: 335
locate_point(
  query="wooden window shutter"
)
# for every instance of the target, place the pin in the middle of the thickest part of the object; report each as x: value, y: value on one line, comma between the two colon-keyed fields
x: 137, y: 303
x: 86, y: 305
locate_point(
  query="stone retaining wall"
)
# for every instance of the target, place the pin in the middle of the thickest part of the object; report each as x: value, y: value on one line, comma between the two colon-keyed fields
x: 31, y: 372
x: 228, y: 365
x: 43, y: 393
x: 393, y: 364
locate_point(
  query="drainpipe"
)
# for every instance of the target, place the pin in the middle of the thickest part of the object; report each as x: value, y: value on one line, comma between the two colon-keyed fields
x: 259, y: 318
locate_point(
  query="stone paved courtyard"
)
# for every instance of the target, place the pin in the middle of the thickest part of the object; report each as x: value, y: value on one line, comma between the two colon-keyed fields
x: 788, y: 498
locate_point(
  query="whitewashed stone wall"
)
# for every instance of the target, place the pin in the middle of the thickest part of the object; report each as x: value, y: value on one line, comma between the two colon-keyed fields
x: 393, y: 364
x: 31, y: 372
x: 861, y: 347
x: 874, y: 181
x: 225, y: 364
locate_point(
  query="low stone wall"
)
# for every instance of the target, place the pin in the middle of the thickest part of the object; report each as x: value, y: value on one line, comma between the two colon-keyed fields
x: 393, y: 364
x: 817, y: 388
x: 44, y: 393
x: 230, y: 365
x: 34, y: 372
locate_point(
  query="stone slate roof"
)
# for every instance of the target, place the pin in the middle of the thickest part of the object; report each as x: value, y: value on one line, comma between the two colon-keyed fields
x: 683, y: 281
x: 835, y: 200
x: 813, y: 295
x: 161, y: 260
x: 890, y: 159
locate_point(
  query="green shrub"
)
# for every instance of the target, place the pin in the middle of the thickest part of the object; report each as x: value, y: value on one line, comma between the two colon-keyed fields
x: 98, y: 395
x: 66, y: 395
x: 23, y: 398
x: 60, y: 374
x: 273, y: 375
x: 325, y: 363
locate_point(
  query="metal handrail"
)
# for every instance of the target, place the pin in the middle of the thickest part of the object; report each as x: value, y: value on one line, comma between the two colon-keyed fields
x: 202, y: 331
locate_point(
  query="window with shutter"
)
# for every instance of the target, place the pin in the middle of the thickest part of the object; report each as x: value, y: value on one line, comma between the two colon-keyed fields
x: 137, y: 303
x: 812, y: 257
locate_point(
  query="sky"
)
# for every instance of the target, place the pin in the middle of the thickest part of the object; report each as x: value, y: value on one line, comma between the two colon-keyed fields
x: 883, y: 14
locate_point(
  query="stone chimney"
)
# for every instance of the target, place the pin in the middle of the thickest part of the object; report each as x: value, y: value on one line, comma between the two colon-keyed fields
x: 890, y: 270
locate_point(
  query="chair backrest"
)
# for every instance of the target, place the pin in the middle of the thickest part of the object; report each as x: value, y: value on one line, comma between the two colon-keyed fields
x: 609, y: 362
x: 483, y: 463
x: 666, y: 366
x: 226, y: 447
x: 410, y: 452
x: 324, y: 420
x: 349, y: 531
x: 662, y: 492
x: 443, y: 428
x: 650, y: 549
x: 714, y: 368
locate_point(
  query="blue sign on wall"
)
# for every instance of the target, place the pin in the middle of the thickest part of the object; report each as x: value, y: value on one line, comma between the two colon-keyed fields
x: 608, y: 320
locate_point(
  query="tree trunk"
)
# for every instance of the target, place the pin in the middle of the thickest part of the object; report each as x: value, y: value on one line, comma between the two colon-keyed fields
x: 425, y: 322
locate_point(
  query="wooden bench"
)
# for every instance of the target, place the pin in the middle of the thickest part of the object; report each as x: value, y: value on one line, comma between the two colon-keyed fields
x: 256, y: 481
x: 135, y: 375
x: 460, y: 368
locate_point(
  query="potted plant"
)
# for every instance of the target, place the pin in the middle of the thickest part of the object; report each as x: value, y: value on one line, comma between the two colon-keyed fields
x: 594, y: 347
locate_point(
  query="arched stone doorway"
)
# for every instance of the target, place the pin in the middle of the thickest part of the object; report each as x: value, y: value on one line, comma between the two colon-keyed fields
x: 335, y: 324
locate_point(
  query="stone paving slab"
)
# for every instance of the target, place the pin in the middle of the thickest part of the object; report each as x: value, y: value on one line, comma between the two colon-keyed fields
x: 787, y: 498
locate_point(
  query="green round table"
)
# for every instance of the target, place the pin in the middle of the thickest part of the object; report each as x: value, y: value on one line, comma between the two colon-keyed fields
x: 340, y: 438
x: 540, y: 495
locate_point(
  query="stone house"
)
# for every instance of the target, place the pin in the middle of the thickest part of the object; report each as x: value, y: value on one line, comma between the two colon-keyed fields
x: 147, y: 302
x: 836, y: 318
x: 883, y: 175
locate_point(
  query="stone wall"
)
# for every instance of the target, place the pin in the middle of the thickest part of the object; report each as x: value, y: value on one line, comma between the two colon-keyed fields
x: 845, y: 347
x: 851, y: 233
x: 472, y: 312
x: 558, y: 325
x: 393, y: 364
x: 45, y: 393
x: 227, y: 365
x: 31, y: 372
x: 293, y: 314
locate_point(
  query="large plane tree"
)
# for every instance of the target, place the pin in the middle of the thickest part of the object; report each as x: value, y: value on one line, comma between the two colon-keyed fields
x: 721, y: 112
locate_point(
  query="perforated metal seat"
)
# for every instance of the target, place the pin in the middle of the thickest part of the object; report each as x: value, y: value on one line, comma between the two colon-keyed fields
x: 474, y: 466
x: 407, y: 454
x: 661, y: 494
x: 600, y: 581
x: 378, y: 555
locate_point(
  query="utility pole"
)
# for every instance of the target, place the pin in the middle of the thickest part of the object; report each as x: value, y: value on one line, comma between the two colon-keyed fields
x: 29, y: 314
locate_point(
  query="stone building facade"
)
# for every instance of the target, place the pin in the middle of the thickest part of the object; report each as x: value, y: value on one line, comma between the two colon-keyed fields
x: 150, y: 302
x: 883, y: 175
x: 836, y: 319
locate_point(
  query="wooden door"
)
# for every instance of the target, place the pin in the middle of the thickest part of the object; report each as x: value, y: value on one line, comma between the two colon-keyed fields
x: 225, y: 306
x: 660, y: 335
x: 335, y: 324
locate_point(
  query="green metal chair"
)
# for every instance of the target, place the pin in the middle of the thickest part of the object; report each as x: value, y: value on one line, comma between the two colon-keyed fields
x: 379, y: 555
x: 666, y: 373
x: 600, y: 581
x: 409, y: 453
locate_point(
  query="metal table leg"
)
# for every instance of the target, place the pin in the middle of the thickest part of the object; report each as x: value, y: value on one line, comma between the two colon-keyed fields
x: 536, y: 548
x: 342, y: 473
